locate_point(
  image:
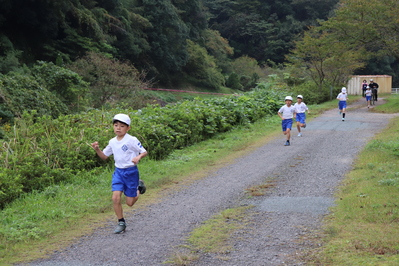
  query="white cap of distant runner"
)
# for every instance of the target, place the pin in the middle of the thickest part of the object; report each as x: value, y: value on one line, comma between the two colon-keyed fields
x: 343, y: 90
x: 299, y: 96
x: 288, y: 98
x: 122, y: 118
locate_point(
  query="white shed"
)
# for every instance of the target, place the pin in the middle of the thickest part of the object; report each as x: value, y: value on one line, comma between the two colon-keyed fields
x: 355, y: 83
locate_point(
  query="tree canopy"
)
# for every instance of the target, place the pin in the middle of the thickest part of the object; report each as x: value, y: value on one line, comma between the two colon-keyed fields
x: 153, y: 34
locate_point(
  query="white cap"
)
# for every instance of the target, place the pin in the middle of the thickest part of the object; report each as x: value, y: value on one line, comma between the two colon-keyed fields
x: 299, y: 96
x: 368, y: 87
x: 288, y: 98
x: 343, y: 89
x: 371, y: 79
x: 122, y: 118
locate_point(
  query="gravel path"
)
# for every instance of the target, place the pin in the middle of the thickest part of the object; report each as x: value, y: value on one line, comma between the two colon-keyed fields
x: 305, y: 175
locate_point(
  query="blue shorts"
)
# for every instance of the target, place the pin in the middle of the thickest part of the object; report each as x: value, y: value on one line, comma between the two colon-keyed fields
x: 286, y: 123
x: 126, y: 180
x: 300, y: 117
x: 341, y: 105
x: 368, y: 98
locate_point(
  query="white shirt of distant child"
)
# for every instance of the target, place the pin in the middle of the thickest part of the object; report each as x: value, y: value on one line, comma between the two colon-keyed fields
x: 342, y: 96
x: 300, y: 108
x: 287, y: 112
x: 124, y: 150
x: 368, y: 92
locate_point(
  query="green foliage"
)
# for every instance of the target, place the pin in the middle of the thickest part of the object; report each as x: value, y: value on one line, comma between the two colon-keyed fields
x: 248, y: 70
x: 311, y: 93
x: 202, y: 67
x: 67, y: 85
x: 20, y: 93
x: 43, y: 151
x: 324, y: 59
x: 219, y: 48
x: 233, y: 82
x: 265, y: 30
x: 111, y: 81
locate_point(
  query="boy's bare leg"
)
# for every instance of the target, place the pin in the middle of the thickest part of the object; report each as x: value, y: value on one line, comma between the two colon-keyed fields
x: 298, y: 126
x: 288, y: 134
x: 130, y: 201
x: 116, y: 199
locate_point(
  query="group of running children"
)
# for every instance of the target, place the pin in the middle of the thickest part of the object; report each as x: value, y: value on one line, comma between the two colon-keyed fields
x: 288, y: 111
x: 128, y: 151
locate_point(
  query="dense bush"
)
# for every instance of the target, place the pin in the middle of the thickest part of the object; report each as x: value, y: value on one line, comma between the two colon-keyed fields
x: 41, y: 151
x: 66, y: 84
x: 22, y: 92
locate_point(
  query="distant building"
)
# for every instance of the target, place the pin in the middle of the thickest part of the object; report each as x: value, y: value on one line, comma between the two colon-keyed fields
x: 384, y: 82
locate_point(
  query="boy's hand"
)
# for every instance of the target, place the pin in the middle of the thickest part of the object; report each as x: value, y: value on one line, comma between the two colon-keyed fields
x: 136, y: 159
x: 95, y: 145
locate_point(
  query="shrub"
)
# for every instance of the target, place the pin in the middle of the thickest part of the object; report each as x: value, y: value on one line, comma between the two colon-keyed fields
x: 66, y: 84
x: 42, y: 151
x: 21, y: 92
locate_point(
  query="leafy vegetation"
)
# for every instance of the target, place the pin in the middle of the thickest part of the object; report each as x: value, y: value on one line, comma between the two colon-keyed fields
x: 28, y: 232
x: 363, y: 226
x: 40, y: 151
x: 157, y: 37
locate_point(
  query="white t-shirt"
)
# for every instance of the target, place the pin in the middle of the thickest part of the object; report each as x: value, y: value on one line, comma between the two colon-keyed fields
x: 368, y: 92
x: 124, y: 150
x: 300, y: 107
x: 287, y: 112
x: 342, y: 96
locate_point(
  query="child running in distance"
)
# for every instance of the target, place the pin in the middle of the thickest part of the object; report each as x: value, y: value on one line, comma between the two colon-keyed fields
x: 286, y: 113
x: 300, y: 109
x: 342, y: 97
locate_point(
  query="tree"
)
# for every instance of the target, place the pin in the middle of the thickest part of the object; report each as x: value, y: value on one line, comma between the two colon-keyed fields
x: 111, y: 81
x: 373, y: 27
x: 66, y: 84
x: 202, y: 67
x: 167, y: 38
x: 325, y: 59
x: 371, y: 24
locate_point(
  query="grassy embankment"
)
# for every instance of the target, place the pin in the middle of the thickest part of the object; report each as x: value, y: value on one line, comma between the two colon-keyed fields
x: 64, y: 212
x: 363, y: 228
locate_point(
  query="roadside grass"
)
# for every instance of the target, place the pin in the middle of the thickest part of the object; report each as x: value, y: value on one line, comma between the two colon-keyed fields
x: 391, y: 106
x: 363, y: 227
x: 213, y: 235
x: 39, y: 223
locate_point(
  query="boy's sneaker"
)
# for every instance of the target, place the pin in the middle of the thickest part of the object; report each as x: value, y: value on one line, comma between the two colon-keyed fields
x: 287, y: 143
x: 300, y: 135
x: 343, y: 119
x: 141, y: 187
x: 120, y: 228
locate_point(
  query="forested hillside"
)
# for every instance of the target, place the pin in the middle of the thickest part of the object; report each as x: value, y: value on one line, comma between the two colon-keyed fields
x: 67, y: 56
x: 153, y: 34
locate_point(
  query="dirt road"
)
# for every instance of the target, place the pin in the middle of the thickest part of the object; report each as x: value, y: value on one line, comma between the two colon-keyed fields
x: 305, y: 175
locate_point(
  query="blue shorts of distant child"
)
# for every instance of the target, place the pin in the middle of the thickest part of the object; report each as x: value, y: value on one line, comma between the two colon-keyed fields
x: 341, y: 105
x: 126, y: 180
x: 286, y: 123
x: 300, y: 117
x: 368, y: 98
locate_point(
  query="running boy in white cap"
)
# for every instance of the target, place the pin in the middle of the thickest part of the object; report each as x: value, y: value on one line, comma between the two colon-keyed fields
x: 286, y: 113
x: 128, y: 152
x: 300, y: 109
x: 342, y: 97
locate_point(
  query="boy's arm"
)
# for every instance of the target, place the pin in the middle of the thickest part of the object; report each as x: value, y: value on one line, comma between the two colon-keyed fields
x: 279, y: 114
x: 99, y: 152
x: 137, y: 159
